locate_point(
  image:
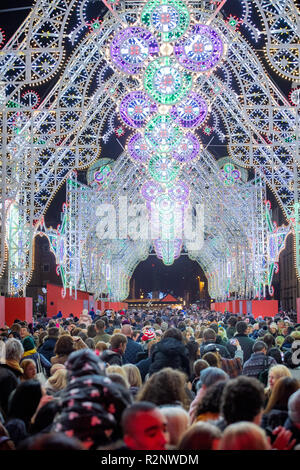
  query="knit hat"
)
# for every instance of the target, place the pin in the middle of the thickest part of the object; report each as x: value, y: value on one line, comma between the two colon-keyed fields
x: 148, y: 335
x: 28, y: 343
x: 91, y: 404
x: 294, y: 407
x: 164, y: 326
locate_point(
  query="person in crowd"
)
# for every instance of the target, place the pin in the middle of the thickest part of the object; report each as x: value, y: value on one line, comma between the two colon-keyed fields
x: 114, y: 355
x: 245, y: 342
x: 101, y: 335
x: 170, y: 352
x: 244, y: 435
x: 30, y: 352
x: 209, y: 337
x: 144, y: 427
x: 166, y: 387
x: 276, y: 412
x: 198, y: 366
x: 274, y: 374
x: 6, y: 443
x: 29, y: 370
x: 177, y: 424
x: 22, y: 407
x: 208, y: 377
x: 63, y: 348
x: 258, y: 361
x: 56, y: 382
x: 210, y: 406
x: 292, y: 423
x: 132, y: 347
x: 134, y: 378
x: 47, y: 348
x: 200, y: 436
x: 231, y: 329
x: 10, y: 372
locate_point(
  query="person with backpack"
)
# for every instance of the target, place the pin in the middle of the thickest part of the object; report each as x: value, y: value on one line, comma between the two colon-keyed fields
x: 259, y: 363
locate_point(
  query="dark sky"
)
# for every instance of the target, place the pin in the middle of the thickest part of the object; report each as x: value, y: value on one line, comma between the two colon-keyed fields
x: 152, y: 273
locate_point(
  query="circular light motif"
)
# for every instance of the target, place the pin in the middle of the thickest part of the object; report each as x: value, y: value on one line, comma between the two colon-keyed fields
x: 187, y: 148
x: 168, y: 18
x: 162, y: 132
x: 136, y: 108
x: 190, y: 112
x: 131, y: 47
x: 230, y: 174
x: 165, y: 82
x: 201, y: 51
x: 164, y: 204
x: 179, y: 192
x: 138, y: 148
x: 163, y: 169
x: 150, y: 190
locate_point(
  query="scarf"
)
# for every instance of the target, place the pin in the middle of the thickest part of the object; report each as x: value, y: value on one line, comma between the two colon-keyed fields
x: 14, y: 365
x: 29, y: 353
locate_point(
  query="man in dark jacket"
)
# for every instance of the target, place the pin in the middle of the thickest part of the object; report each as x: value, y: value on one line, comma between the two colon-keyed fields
x: 10, y: 372
x: 132, y: 348
x: 114, y: 355
x: 47, y: 348
x: 209, y: 337
x: 170, y: 352
x: 246, y: 343
x: 258, y: 360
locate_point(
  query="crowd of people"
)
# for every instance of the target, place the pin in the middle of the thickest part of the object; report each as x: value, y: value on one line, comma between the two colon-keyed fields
x: 150, y: 380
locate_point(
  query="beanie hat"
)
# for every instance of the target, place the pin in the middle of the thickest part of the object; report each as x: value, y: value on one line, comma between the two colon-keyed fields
x: 148, y: 335
x: 294, y: 407
x: 28, y: 343
x: 164, y: 326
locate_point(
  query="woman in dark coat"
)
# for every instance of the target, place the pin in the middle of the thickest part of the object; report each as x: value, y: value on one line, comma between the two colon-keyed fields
x: 170, y: 352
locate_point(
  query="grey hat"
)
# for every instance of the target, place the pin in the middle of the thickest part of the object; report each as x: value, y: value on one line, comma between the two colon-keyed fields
x: 164, y: 326
x: 294, y: 407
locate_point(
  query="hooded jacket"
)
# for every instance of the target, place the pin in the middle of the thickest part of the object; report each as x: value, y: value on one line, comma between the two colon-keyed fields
x: 47, y: 348
x: 169, y: 352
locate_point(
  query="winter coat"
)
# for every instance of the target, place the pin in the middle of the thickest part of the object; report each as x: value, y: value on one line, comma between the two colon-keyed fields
x: 9, y: 380
x: 111, y: 358
x: 47, y: 348
x: 222, y: 349
x: 276, y: 417
x: 169, y: 352
x: 289, y: 425
x: 132, y: 349
x: 257, y: 363
x: 246, y: 344
x: 61, y: 359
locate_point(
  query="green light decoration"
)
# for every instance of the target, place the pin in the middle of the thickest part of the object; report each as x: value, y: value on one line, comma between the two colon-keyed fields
x: 162, y: 133
x: 169, y: 19
x: 166, y: 82
x: 163, y: 169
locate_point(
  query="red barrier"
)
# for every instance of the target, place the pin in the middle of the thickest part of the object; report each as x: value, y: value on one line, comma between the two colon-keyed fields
x: 2, y: 311
x: 56, y: 303
x: 18, y: 307
x: 264, y: 308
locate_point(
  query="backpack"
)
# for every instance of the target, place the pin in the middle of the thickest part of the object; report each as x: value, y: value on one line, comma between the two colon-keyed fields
x: 264, y: 374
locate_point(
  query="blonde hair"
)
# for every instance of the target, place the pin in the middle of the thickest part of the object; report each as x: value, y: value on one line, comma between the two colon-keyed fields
x: 116, y: 370
x: 177, y: 423
x: 58, y: 381
x: 133, y: 375
x: 116, y: 330
x: 295, y: 334
x: 244, y: 435
x: 25, y: 364
x: 112, y: 370
x: 101, y: 346
x: 279, y: 371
